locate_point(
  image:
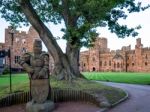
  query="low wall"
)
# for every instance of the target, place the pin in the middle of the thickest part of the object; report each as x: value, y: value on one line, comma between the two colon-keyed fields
x: 57, y: 95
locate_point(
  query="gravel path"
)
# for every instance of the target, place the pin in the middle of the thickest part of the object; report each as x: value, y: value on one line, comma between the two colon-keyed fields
x: 139, y: 98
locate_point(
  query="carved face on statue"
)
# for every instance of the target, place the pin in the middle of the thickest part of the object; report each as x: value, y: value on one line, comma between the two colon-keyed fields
x: 37, y: 47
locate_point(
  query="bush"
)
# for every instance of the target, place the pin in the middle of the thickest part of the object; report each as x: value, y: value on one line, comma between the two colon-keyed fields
x: 6, y: 70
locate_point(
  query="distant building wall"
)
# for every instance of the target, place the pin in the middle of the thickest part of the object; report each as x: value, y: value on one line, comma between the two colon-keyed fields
x: 22, y: 43
x: 100, y: 58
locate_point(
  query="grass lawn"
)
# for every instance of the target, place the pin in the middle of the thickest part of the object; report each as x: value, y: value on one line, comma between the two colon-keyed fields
x: 20, y: 82
x: 16, y: 79
x: 122, y: 77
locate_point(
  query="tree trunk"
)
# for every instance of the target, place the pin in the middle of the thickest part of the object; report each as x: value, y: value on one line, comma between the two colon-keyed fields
x: 73, y: 57
x: 63, y: 69
x: 71, y: 62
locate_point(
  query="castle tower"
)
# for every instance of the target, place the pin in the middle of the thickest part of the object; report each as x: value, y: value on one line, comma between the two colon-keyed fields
x: 31, y: 36
x: 94, y: 60
x: 100, y: 46
x: 100, y: 43
x: 138, y: 54
x: 22, y: 42
x: 138, y: 43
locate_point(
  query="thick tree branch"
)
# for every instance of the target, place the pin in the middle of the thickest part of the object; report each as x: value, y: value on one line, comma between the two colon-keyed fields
x: 65, y: 12
x: 43, y: 31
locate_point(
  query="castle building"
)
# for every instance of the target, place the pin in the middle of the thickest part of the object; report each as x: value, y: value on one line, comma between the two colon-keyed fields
x: 100, y: 58
x: 22, y: 43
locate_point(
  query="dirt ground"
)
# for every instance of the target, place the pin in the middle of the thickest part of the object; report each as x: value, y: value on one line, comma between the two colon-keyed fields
x: 60, y: 107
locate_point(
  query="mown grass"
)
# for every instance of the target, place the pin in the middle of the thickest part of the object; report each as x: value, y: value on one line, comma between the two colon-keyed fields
x: 121, y: 77
x: 20, y: 82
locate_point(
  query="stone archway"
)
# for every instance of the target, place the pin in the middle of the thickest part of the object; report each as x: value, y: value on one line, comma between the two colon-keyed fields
x: 94, y: 69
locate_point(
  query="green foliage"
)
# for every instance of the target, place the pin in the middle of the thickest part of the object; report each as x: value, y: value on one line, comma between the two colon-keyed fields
x: 121, y: 77
x: 6, y: 70
x: 81, y: 17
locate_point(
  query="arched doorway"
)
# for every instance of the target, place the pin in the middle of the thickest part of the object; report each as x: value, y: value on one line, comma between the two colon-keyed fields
x: 94, y: 69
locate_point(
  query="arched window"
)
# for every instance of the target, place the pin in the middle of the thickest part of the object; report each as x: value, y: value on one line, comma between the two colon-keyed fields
x: 93, y: 59
x: 114, y: 65
x: 105, y: 63
x: 132, y: 64
x: 84, y: 64
x: 109, y: 63
x: 146, y: 57
x: 118, y: 65
x: 121, y: 65
x: 100, y: 63
x: 145, y: 63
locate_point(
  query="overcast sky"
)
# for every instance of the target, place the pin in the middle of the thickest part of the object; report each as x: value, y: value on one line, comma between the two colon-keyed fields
x: 133, y: 20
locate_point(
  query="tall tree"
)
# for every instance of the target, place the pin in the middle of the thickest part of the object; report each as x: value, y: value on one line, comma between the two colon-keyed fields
x: 81, y: 18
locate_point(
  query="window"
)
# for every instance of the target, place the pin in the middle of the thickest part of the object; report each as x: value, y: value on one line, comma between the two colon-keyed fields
x: 23, y: 50
x: 105, y: 64
x: 17, y: 58
x: 132, y: 64
x: 84, y: 64
x: 146, y: 57
x: 114, y: 65
x: 93, y: 59
x: 23, y: 41
x: 121, y: 65
x: 145, y: 63
x: 100, y: 63
x: 118, y: 65
x: 109, y: 63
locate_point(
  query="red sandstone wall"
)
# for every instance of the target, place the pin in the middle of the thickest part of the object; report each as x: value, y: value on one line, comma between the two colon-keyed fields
x: 100, y: 58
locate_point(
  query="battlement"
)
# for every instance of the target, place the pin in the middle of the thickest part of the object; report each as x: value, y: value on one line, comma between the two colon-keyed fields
x: 101, y: 38
x: 23, y: 33
x: 100, y: 43
x: 138, y: 43
x: 84, y: 53
x: 16, y: 32
x: 126, y: 48
x: 113, y: 51
x: 146, y: 49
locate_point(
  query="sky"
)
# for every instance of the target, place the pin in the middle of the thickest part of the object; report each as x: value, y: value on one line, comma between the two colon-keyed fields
x: 114, y: 43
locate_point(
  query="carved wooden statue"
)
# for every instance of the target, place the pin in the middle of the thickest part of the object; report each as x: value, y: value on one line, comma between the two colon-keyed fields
x: 37, y: 66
